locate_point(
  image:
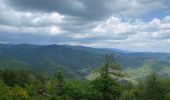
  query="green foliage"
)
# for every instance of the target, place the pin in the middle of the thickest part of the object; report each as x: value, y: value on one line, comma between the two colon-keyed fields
x: 146, y: 68
x: 20, y: 77
x: 154, y: 89
x: 60, y: 84
x: 105, y: 83
x: 128, y: 95
x: 76, y: 89
x: 150, y: 89
x: 110, y: 68
x: 167, y: 96
x: 103, y: 87
x: 4, y: 91
x: 18, y: 93
x: 107, y: 88
x: 26, y: 85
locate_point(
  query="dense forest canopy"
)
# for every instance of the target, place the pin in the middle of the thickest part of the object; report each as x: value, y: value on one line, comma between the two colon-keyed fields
x: 26, y: 85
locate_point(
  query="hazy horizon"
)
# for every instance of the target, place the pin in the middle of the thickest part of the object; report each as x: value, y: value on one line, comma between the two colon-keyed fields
x: 114, y: 49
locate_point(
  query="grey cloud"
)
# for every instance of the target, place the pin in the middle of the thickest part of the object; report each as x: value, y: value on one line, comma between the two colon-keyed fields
x: 66, y: 7
x: 80, y: 15
x: 31, y: 21
x: 87, y: 9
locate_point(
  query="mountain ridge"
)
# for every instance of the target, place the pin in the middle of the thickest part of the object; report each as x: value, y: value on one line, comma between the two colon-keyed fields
x: 75, y: 60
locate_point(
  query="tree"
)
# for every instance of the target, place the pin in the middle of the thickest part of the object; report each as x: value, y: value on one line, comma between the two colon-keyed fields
x: 9, y: 77
x: 59, y: 88
x: 23, y: 77
x: 60, y: 83
x: 167, y: 96
x: 4, y: 91
x: 128, y: 95
x: 76, y: 89
x: 111, y: 68
x: 18, y: 93
x: 154, y: 89
x: 106, y: 83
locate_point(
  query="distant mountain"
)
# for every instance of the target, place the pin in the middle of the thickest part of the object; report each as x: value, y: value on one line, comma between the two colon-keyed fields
x: 49, y: 58
x: 76, y: 61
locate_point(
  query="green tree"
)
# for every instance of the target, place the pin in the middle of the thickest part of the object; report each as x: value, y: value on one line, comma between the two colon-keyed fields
x: 167, y: 96
x: 128, y: 95
x: 23, y: 78
x: 9, y: 77
x: 4, y: 91
x: 154, y: 90
x: 106, y: 83
x: 76, y: 89
x: 60, y: 83
x: 59, y: 88
x: 18, y: 93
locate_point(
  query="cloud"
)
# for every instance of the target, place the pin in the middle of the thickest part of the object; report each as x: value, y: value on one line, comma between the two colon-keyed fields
x: 96, y: 23
x: 88, y: 9
x: 135, y: 35
x: 29, y: 23
x: 116, y: 27
x: 28, y: 19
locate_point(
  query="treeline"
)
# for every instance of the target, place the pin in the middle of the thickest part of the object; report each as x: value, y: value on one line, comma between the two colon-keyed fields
x: 25, y: 85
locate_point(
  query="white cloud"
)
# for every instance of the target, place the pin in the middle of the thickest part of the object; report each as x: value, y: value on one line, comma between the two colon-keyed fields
x: 117, y: 27
x: 30, y: 22
x: 15, y: 18
x: 55, y: 30
x: 81, y: 27
x: 48, y: 19
x: 133, y: 8
x: 166, y: 19
x: 140, y: 35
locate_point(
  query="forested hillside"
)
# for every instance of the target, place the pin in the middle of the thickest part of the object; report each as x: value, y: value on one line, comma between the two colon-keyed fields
x: 25, y: 85
x: 47, y: 58
x: 79, y: 61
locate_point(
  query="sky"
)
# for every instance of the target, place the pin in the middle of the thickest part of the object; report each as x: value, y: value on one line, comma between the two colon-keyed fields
x: 133, y: 25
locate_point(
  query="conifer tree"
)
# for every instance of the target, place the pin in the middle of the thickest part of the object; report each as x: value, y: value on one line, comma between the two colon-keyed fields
x: 106, y: 83
x: 154, y: 89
